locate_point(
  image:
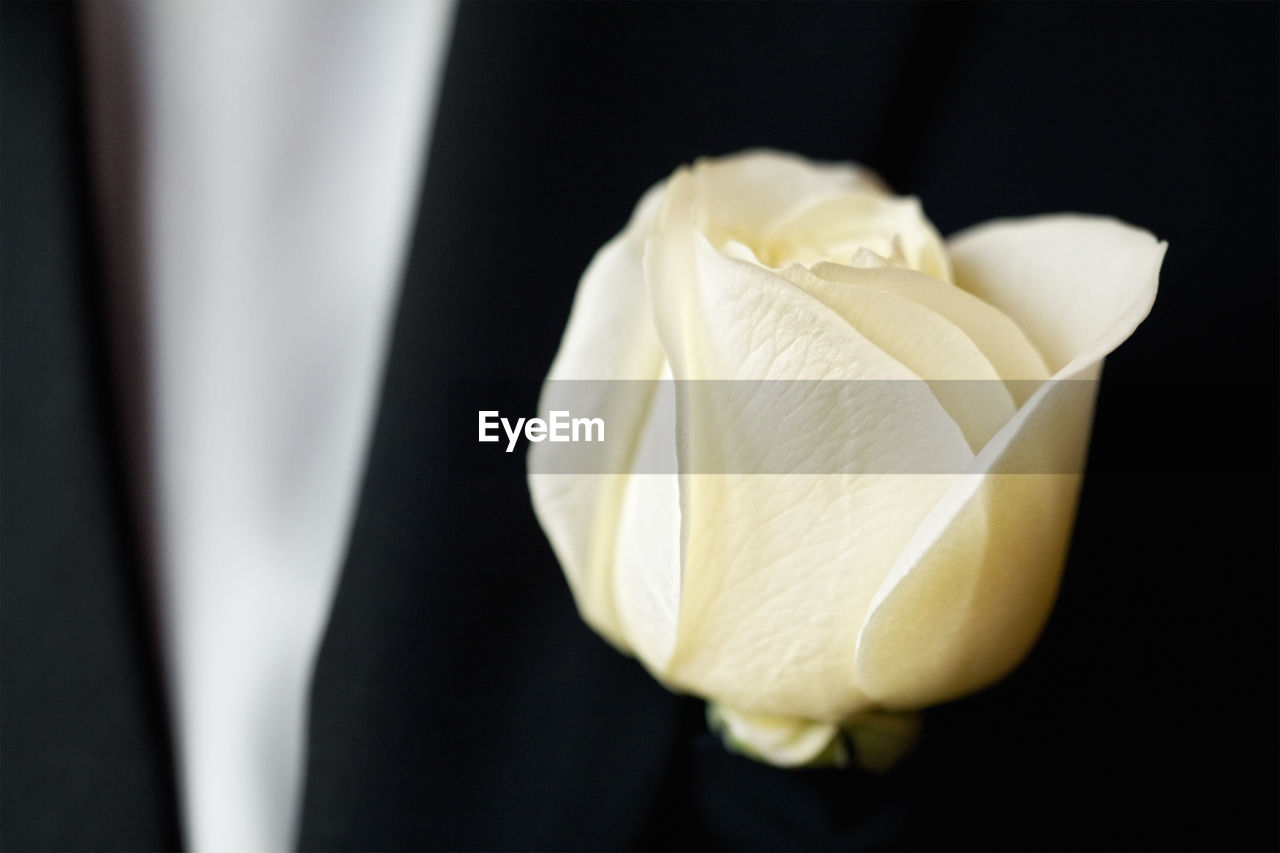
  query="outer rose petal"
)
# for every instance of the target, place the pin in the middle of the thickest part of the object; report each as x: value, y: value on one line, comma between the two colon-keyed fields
x: 610, y: 336
x: 971, y: 591
x: 647, y: 556
x: 1065, y: 279
x: 778, y: 570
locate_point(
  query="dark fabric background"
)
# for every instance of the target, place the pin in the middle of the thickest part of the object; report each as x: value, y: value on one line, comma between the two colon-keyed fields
x: 459, y: 703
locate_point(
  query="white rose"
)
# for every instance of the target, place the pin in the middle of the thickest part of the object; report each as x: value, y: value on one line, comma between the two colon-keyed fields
x: 800, y: 603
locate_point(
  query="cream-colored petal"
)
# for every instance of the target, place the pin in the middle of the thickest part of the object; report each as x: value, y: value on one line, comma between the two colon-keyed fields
x: 758, y: 551
x: 835, y: 229
x: 1001, y: 340
x: 740, y: 195
x: 647, y: 555
x: 1064, y: 279
x: 780, y: 740
x: 969, y: 594
x: 610, y: 336
x: 925, y: 342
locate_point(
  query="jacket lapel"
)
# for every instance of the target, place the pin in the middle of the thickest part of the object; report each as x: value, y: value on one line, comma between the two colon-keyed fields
x: 459, y: 701
x: 85, y: 730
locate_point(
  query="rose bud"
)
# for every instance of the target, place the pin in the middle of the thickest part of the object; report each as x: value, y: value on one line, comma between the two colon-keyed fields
x: 843, y: 455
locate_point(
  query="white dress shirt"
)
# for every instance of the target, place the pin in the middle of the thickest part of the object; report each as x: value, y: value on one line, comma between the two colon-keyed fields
x: 258, y: 167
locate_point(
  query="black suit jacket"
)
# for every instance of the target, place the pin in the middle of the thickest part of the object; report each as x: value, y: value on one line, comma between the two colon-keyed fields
x: 459, y: 703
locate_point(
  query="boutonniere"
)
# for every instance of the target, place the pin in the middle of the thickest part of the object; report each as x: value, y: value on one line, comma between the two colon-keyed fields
x: 842, y: 454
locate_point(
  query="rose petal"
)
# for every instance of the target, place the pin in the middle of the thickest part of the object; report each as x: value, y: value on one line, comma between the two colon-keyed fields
x: 758, y: 551
x: 744, y: 193
x: 1064, y: 279
x: 924, y: 341
x: 835, y: 229
x: 1001, y: 340
x: 647, y: 555
x: 780, y: 740
x: 971, y: 591
x: 609, y: 336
